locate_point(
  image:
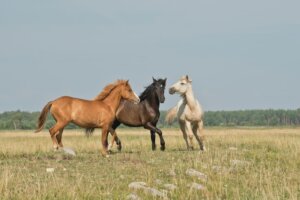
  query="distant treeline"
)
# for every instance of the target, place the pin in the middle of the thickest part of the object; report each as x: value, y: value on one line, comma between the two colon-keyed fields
x: 27, y: 120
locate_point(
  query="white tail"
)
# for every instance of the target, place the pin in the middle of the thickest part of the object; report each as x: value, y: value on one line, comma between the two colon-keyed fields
x: 171, y: 115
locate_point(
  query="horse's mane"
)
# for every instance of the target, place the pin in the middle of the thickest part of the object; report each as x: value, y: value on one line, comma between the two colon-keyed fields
x: 108, y: 89
x: 147, y: 92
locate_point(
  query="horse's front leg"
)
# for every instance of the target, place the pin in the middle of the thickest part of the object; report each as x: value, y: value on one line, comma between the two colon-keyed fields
x: 104, y: 141
x: 113, y: 139
x: 159, y: 132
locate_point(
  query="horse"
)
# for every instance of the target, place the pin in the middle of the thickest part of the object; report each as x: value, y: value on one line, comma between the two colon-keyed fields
x: 188, y: 111
x: 144, y: 114
x: 97, y: 113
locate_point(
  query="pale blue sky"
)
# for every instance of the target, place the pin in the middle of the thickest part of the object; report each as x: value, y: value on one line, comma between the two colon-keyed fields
x: 240, y: 55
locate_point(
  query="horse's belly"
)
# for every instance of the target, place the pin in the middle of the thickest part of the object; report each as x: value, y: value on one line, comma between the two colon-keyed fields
x: 130, y: 121
x: 89, y: 119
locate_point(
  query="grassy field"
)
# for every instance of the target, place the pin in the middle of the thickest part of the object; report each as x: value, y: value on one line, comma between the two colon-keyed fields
x: 239, y: 164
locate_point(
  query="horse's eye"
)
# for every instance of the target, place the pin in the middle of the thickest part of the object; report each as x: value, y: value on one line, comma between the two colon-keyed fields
x: 181, y: 83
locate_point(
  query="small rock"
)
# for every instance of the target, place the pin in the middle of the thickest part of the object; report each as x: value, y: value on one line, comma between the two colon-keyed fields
x: 137, y: 185
x: 122, y: 177
x: 170, y: 187
x: 195, y: 173
x: 50, y: 170
x: 172, y: 172
x: 233, y: 148
x: 64, y: 169
x: 238, y: 163
x: 132, y: 197
x: 158, y: 182
x: 165, y: 192
x: 219, y: 169
x: 155, y: 193
x: 69, y: 151
x: 216, y: 168
x: 143, y: 186
x: 197, y: 186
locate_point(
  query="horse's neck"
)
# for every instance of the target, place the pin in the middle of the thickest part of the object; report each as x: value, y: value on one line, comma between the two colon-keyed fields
x: 189, y: 99
x: 113, y: 99
x: 153, y: 101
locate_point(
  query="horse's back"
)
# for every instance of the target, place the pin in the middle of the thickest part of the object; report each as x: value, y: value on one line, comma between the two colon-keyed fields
x: 79, y: 111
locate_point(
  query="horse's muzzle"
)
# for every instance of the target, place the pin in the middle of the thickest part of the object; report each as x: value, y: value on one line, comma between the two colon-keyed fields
x: 162, y: 100
x: 137, y: 101
x: 172, y: 91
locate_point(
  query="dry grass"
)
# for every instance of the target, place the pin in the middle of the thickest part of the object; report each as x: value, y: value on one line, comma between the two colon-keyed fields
x: 239, y: 163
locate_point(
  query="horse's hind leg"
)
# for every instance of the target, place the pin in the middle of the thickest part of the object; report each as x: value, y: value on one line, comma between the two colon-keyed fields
x: 182, y: 127
x: 153, y: 136
x: 198, y: 128
x: 153, y: 140
x: 189, y: 131
x: 59, y: 138
x: 54, y: 131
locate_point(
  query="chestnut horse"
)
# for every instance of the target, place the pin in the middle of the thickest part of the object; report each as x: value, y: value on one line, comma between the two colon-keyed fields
x: 98, y: 113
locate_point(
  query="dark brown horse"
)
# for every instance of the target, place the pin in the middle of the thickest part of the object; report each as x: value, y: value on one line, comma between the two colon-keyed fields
x: 145, y: 114
x: 98, y: 113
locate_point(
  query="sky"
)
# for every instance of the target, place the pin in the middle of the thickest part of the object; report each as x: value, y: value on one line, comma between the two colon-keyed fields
x: 239, y: 54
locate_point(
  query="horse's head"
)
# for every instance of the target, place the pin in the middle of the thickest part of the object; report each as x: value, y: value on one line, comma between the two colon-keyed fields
x: 160, y: 86
x: 182, y: 86
x: 128, y: 94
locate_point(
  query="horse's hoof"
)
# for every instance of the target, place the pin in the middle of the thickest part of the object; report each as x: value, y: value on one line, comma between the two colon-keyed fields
x: 163, y: 148
x: 190, y: 148
x: 119, y: 148
x: 109, y: 147
x: 153, y: 148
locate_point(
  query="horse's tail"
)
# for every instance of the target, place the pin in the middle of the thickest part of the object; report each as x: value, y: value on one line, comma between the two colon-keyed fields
x: 43, y: 117
x: 171, y: 115
x: 89, y: 131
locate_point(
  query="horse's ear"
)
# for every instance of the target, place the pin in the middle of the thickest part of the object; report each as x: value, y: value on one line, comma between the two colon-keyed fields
x: 188, y: 79
x: 127, y: 82
x: 165, y: 81
x: 154, y: 80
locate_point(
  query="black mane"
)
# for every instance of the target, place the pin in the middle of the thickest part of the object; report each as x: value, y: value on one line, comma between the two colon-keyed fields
x: 148, y: 92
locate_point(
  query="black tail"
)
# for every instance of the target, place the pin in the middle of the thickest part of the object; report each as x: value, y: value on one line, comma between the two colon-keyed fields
x: 89, y: 131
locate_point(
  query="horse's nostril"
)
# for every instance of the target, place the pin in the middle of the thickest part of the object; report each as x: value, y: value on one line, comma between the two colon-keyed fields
x: 171, y: 91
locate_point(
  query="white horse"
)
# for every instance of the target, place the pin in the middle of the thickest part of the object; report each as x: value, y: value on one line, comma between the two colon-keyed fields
x: 189, y: 112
